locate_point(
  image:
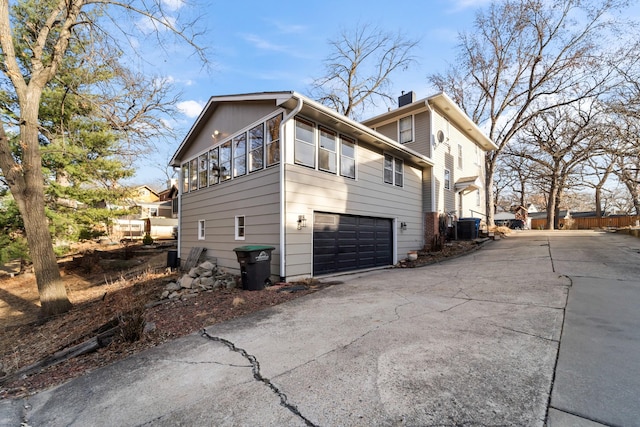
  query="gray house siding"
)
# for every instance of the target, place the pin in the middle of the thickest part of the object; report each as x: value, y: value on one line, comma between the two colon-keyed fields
x: 427, y: 190
x: 228, y: 119
x: 422, y: 134
x: 309, y: 191
x: 256, y: 196
x: 390, y: 130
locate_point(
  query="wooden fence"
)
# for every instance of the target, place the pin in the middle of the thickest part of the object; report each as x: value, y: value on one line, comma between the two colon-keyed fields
x: 590, y: 223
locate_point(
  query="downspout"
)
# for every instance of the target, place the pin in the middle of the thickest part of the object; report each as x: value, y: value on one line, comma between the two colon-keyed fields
x: 433, y: 149
x: 433, y: 156
x: 283, y: 187
x: 180, y: 183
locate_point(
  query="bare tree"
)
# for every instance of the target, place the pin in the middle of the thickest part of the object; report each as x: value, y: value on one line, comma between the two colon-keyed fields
x: 596, y: 172
x: 358, y: 71
x: 520, y: 175
x: 526, y: 57
x: 558, y: 142
x: 628, y: 172
x: 46, y: 29
x: 625, y: 112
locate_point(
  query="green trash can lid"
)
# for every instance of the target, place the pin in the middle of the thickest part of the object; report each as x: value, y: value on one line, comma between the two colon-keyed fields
x: 251, y: 248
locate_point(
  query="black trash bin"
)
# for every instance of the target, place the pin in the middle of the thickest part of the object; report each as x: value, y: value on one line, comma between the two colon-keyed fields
x: 255, y: 266
x: 477, y: 224
x: 172, y: 259
x: 467, y: 229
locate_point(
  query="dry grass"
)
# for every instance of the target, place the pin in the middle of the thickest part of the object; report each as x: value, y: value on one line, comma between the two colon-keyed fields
x: 101, y: 298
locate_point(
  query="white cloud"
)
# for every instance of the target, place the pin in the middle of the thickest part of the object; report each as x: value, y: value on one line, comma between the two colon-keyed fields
x: 190, y: 108
x: 263, y: 44
x: 288, y: 28
x: 148, y: 25
x: 173, y: 5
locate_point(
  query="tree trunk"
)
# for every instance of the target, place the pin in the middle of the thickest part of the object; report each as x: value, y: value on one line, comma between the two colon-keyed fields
x: 551, y: 204
x: 489, y: 206
x: 598, y: 201
x: 556, y: 209
x: 632, y: 187
x: 27, y: 188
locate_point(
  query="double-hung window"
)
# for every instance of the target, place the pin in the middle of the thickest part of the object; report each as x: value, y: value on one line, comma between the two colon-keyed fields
x: 393, y: 170
x: 347, y: 157
x: 240, y: 227
x: 305, y: 146
x: 256, y: 148
x: 459, y: 156
x: 327, y: 152
x: 272, y: 140
x: 447, y: 179
x: 405, y: 129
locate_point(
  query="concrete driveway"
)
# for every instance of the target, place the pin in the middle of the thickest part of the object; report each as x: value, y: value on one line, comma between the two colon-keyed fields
x: 471, y: 341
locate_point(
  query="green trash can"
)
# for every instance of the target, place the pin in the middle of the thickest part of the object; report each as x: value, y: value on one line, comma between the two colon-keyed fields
x: 255, y: 266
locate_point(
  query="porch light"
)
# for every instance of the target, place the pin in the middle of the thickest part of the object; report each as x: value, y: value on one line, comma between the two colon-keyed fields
x: 302, y: 221
x: 403, y: 226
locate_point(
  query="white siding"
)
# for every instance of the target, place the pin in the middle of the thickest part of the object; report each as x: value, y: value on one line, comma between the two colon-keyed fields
x: 446, y: 156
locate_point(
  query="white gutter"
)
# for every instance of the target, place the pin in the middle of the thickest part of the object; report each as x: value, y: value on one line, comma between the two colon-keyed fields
x: 283, y: 187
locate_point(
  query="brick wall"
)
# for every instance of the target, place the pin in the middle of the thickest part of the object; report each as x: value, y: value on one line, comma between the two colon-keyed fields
x: 431, y: 228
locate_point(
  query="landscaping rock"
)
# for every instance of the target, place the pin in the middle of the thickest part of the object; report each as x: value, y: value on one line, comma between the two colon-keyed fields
x: 173, y: 286
x: 207, y: 282
x: 186, y: 281
x: 203, y: 278
x: 207, y: 265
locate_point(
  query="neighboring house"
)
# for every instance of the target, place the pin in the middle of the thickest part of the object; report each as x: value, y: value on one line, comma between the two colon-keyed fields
x: 157, y: 217
x: 169, y: 200
x: 328, y: 193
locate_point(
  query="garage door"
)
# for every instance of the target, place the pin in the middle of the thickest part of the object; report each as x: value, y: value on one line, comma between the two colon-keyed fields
x: 349, y: 242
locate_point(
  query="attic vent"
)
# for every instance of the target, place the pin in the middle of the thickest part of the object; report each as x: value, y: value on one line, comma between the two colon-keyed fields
x: 406, y: 98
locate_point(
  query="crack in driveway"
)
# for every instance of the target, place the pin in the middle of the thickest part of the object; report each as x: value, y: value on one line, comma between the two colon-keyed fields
x: 255, y: 368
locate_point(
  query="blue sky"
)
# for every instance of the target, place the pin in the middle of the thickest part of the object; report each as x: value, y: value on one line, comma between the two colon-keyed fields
x: 257, y: 46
